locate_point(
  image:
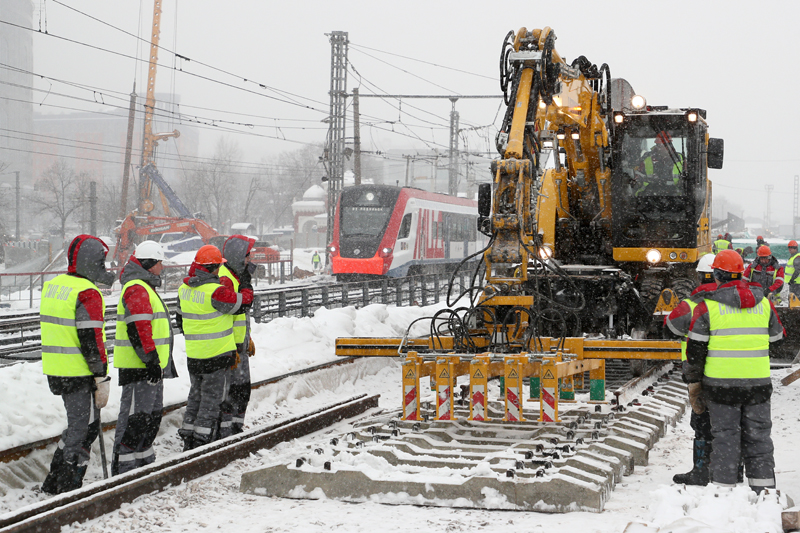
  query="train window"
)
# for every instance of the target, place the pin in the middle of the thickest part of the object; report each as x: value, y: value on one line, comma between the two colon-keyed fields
x: 405, y: 227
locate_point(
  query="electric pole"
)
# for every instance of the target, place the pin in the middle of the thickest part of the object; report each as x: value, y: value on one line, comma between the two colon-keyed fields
x: 769, y: 189
x: 356, y: 140
x: 334, y: 151
x: 17, y: 204
x: 452, y: 177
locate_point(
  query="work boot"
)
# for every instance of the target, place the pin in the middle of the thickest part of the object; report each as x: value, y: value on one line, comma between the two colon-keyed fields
x: 698, y: 475
x: 188, y: 443
x: 50, y: 484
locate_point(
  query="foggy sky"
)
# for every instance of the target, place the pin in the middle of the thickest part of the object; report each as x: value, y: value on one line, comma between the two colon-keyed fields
x: 735, y: 59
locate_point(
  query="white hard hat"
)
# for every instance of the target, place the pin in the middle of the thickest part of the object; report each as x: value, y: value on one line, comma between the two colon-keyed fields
x: 704, y: 265
x: 149, y: 250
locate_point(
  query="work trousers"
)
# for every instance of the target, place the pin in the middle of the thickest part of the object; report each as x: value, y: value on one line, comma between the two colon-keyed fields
x: 235, y: 407
x: 71, y: 458
x: 206, y: 395
x: 701, y: 424
x: 742, y: 432
x: 139, y: 418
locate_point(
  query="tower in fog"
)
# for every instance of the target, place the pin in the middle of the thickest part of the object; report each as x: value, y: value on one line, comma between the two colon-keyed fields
x: 16, y: 96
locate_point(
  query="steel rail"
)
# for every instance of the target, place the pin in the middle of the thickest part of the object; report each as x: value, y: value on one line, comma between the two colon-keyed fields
x: 108, y: 495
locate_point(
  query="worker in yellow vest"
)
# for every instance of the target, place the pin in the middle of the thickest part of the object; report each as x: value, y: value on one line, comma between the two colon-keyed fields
x: 238, y: 268
x: 792, y: 270
x: 74, y: 356
x: 728, y: 372
x: 143, y: 355
x: 206, y: 311
x: 679, y: 321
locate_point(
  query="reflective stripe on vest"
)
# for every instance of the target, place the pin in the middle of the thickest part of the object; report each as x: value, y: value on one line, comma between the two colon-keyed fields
x: 124, y: 354
x: 61, y: 349
x: 789, y: 270
x: 692, y: 305
x: 738, y: 347
x: 208, y: 332
x: 240, y: 320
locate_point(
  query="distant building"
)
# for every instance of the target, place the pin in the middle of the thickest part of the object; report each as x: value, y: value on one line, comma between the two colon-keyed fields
x: 310, y: 219
x: 16, y: 107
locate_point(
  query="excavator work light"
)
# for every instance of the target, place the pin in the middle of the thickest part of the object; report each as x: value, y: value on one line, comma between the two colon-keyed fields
x: 545, y: 252
x: 653, y: 256
x: 691, y: 116
x: 576, y: 135
x: 561, y: 135
x: 542, y: 104
x: 638, y: 101
x: 618, y: 118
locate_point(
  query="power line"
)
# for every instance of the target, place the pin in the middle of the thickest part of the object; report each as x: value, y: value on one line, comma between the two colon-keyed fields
x: 422, y: 61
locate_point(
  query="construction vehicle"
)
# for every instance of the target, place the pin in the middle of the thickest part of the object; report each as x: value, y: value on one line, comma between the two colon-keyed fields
x: 592, y: 231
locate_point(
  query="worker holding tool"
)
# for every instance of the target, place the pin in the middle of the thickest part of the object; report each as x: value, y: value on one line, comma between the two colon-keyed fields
x: 205, y: 315
x: 678, y: 322
x: 767, y: 272
x: 727, y: 353
x: 74, y: 356
x: 143, y: 355
x: 792, y: 270
x: 236, y: 271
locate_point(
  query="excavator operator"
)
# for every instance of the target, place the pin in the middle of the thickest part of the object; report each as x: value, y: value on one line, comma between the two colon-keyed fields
x: 660, y: 170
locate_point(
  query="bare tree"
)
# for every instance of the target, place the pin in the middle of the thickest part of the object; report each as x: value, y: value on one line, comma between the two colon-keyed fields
x: 62, y: 192
x: 295, y: 172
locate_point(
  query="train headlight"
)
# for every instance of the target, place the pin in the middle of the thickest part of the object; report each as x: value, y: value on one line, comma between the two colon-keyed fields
x: 332, y: 249
x: 653, y: 256
x: 638, y: 101
x: 545, y: 252
x: 386, y: 252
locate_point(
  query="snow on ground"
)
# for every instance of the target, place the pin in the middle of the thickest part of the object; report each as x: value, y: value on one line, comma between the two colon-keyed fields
x: 213, y: 502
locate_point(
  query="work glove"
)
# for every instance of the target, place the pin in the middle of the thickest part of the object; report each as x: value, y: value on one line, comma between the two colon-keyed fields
x: 237, y: 361
x: 696, y: 398
x: 154, y: 372
x: 103, y: 385
x: 251, y: 348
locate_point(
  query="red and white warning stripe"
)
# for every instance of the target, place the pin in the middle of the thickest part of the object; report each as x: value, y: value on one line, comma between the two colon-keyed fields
x: 512, y: 404
x: 443, y: 403
x: 410, y: 402
x: 548, y: 407
x: 478, y: 412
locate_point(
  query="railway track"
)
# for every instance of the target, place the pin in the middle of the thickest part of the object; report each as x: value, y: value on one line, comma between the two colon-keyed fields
x: 108, y: 495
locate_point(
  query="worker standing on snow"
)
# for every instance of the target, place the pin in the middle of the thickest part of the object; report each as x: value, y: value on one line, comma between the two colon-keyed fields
x: 205, y: 315
x: 793, y: 269
x: 237, y: 271
x: 767, y: 272
x: 679, y: 321
x: 143, y: 355
x: 74, y: 356
x: 728, y: 372
x: 316, y: 263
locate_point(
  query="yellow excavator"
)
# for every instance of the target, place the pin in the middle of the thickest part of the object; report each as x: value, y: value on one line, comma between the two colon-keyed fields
x: 599, y: 207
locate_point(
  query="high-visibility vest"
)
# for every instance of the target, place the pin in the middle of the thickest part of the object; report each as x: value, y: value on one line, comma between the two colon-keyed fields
x: 61, y: 349
x: 240, y: 320
x: 692, y: 305
x: 789, y: 270
x: 738, y: 345
x: 649, y: 170
x: 124, y: 354
x: 763, y: 272
x: 719, y: 245
x: 208, y: 332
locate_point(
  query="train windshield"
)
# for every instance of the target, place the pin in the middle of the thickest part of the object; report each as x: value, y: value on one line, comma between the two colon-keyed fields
x: 366, y: 212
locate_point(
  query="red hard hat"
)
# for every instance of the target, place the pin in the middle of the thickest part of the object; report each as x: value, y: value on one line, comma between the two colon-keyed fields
x: 663, y: 137
x: 729, y: 261
x: 719, y: 236
x: 792, y: 244
x: 759, y: 238
x: 209, y: 255
x: 764, y: 251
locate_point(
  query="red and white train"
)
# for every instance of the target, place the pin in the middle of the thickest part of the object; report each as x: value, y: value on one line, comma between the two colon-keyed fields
x: 381, y: 230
